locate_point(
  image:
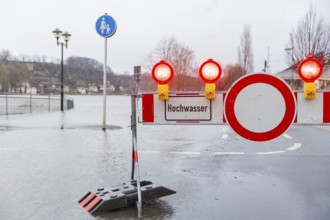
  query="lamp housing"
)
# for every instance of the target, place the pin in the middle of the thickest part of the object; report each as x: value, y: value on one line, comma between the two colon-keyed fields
x: 162, y: 72
x: 210, y: 71
x: 310, y: 69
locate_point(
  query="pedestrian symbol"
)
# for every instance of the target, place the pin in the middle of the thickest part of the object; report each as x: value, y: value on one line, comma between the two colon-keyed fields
x: 105, y: 26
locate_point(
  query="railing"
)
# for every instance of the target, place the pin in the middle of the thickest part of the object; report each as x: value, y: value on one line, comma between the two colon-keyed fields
x: 24, y: 103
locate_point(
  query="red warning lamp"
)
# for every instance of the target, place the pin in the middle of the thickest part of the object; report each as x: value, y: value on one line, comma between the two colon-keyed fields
x: 309, y: 70
x: 210, y: 71
x: 162, y: 73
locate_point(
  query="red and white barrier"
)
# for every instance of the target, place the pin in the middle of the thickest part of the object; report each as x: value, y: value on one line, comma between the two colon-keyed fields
x: 182, y: 108
x: 309, y: 111
x: 258, y: 107
x: 313, y: 111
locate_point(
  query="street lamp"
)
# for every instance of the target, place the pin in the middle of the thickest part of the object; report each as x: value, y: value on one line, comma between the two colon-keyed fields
x: 66, y: 37
x: 287, y: 49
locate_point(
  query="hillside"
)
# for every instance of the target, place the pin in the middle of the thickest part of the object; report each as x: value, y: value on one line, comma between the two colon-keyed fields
x: 81, y: 75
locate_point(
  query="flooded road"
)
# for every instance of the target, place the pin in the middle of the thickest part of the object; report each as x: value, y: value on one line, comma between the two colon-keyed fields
x: 48, y: 161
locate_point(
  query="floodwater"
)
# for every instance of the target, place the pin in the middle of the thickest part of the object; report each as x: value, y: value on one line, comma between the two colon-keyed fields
x: 48, y: 161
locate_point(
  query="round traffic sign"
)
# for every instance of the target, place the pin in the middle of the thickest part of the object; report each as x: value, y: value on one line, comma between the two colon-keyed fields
x: 106, y: 26
x: 260, y: 107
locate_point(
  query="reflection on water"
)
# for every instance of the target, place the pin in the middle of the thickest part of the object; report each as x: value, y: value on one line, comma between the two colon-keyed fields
x: 157, y: 209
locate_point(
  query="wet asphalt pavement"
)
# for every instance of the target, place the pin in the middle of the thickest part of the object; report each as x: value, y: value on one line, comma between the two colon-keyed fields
x: 48, y: 161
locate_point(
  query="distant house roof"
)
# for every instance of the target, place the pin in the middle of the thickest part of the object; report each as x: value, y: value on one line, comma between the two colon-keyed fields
x: 286, y: 74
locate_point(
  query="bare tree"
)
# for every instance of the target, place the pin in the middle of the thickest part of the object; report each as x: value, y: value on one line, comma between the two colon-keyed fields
x: 3, y: 76
x: 230, y: 74
x: 311, y: 37
x: 245, y: 54
x: 53, y: 60
x: 44, y: 58
x: 23, y: 57
x: 5, y: 55
x: 17, y: 74
x: 36, y: 58
x: 180, y: 56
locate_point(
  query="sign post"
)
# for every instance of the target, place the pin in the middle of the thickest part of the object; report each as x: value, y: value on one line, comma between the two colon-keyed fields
x: 106, y: 27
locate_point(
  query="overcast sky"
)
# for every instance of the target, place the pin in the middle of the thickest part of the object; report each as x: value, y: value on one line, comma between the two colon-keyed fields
x: 211, y: 28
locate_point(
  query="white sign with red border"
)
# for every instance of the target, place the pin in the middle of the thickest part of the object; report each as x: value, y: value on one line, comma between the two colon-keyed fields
x: 260, y: 107
x: 188, y: 108
x: 182, y: 108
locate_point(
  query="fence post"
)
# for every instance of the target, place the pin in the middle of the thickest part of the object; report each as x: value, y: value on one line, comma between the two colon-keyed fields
x: 31, y: 103
x: 6, y: 103
x: 11, y: 106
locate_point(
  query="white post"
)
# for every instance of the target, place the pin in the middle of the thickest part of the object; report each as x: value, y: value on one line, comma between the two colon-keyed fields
x: 7, y: 103
x: 135, y: 165
x: 105, y: 85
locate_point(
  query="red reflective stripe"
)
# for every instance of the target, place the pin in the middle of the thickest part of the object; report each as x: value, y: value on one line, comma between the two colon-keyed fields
x: 186, y: 94
x: 187, y: 122
x: 147, y: 108
x: 93, y: 203
x: 296, y: 118
x: 223, y: 101
x: 326, y: 107
x: 87, y: 199
x: 135, y: 156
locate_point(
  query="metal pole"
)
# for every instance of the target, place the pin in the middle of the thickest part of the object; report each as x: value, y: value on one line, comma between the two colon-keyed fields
x: 135, y: 166
x: 134, y: 133
x: 292, y: 65
x: 62, y: 80
x: 292, y: 69
x: 104, y: 85
x: 135, y: 91
x: 135, y: 160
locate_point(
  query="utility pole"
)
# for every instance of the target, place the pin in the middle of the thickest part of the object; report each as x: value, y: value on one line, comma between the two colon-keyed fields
x: 266, y: 68
x: 291, y: 80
